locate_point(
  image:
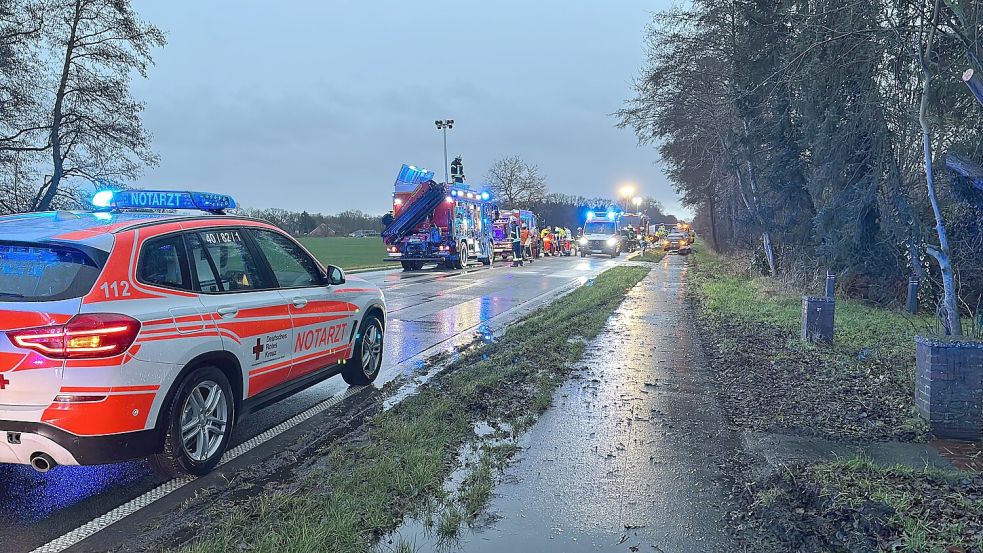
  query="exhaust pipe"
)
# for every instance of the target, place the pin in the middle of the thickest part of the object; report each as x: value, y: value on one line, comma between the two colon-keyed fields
x: 42, y: 462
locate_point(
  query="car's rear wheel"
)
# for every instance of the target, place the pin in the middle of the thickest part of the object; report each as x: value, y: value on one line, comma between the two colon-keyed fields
x: 199, y: 422
x: 364, y: 365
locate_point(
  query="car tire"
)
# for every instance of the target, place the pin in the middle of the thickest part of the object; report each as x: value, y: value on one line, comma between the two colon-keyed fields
x: 364, y: 365
x: 407, y: 265
x: 193, y: 404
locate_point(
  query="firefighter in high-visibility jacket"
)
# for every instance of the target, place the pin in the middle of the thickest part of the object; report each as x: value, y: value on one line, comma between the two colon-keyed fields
x: 516, y: 244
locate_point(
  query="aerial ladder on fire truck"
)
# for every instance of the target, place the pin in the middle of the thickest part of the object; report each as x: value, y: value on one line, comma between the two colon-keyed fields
x: 414, y: 210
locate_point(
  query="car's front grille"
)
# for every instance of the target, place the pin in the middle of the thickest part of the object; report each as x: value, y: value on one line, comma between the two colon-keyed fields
x: 596, y: 244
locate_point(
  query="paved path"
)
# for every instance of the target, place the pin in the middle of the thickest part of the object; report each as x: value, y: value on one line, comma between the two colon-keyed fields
x: 628, y: 456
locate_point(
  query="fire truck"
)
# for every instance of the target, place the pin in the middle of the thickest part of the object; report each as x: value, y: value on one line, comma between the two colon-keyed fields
x: 500, y: 232
x: 444, y: 224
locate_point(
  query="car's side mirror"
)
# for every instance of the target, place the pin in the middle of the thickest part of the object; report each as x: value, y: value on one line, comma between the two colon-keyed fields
x: 335, y: 275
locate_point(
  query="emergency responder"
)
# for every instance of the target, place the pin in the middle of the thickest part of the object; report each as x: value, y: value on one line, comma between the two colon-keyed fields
x: 387, y: 220
x: 516, y: 243
x: 457, y: 170
x: 526, y: 238
x: 434, y: 233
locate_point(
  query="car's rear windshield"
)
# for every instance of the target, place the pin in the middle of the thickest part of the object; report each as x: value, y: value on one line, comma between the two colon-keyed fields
x: 44, y: 272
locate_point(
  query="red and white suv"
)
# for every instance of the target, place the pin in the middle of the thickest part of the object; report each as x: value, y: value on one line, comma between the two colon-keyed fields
x: 127, y: 334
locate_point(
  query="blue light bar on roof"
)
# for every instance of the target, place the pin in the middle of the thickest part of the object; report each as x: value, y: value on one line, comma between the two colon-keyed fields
x: 469, y: 194
x: 410, y: 174
x: 161, y: 199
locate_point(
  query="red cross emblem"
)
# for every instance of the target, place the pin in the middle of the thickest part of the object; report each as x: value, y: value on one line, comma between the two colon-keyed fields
x: 3, y: 382
x: 258, y: 348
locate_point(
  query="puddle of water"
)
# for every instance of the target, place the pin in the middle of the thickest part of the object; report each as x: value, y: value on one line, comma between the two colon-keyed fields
x: 441, y: 526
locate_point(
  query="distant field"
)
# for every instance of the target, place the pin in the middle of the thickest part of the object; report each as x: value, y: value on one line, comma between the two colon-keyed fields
x: 347, y: 253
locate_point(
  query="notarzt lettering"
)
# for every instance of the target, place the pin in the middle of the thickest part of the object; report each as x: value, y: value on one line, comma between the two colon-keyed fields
x: 320, y: 337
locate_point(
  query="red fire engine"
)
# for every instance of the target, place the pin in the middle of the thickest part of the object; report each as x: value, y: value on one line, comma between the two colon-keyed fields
x: 445, y: 224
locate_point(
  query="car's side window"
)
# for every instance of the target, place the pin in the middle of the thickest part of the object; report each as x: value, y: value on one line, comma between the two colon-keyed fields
x: 291, y: 265
x: 201, y: 265
x: 236, y: 267
x: 162, y: 263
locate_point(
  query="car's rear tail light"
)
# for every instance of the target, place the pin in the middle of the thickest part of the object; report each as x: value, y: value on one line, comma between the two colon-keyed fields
x: 393, y: 249
x: 90, y: 336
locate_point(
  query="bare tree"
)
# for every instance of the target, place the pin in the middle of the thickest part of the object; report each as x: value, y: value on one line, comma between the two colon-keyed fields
x: 942, y: 254
x: 87, y: 125
x: 20, y: 31
x: 515, y: 182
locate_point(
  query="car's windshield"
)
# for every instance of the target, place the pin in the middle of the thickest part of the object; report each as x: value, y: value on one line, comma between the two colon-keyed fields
x: 600, y: 227
x: 42, y: 272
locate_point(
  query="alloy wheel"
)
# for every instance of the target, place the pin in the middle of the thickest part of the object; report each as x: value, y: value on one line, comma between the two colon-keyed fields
x: 204, y: 420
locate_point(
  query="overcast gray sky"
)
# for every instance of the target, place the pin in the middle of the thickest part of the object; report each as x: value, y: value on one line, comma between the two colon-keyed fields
x: 309, y: 104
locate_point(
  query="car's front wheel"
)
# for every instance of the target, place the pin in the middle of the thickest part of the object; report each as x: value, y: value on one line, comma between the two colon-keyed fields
x: 199, y: 422
x: 364, y: 365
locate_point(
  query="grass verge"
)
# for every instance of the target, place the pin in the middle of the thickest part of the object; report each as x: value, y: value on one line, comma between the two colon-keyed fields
x: 855, y: 505
x: 651, y: 255
x: 347, y: 252
x: 860, y: 389
x: 398, y: 462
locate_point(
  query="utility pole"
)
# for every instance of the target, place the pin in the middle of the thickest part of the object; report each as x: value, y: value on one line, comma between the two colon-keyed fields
x: 444, y: 124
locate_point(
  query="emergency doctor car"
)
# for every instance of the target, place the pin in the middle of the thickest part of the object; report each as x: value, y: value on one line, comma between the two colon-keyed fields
x: 129, y: 332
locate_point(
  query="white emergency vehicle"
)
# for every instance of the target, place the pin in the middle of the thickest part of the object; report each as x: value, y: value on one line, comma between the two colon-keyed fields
x: 145, y: 329
x: 602, y: 234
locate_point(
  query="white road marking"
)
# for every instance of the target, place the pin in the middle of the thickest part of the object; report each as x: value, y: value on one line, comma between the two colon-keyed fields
x: 134, y: 505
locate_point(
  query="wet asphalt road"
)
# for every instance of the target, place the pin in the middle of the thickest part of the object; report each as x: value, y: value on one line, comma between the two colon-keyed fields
x: 426, y: 308
x: 628, y: 457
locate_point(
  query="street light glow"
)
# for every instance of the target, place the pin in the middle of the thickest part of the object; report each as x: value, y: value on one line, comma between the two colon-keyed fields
x: 627, y: 190
x: 637, y: 200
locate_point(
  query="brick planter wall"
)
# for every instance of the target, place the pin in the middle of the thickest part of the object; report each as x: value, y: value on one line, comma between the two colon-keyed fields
x: 817, y: 319
x: 949, y: 387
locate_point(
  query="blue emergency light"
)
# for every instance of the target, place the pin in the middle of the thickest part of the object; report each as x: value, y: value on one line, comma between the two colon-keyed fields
x: 162, y: 199
x: 410, y: 174
x: 467, y: 194
x: 610, y: 214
